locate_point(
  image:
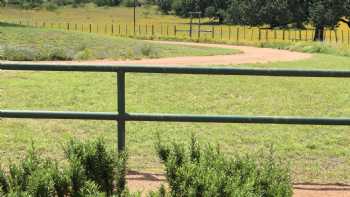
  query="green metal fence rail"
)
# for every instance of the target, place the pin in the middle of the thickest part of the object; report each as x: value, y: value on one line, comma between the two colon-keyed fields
x: 122, y: 116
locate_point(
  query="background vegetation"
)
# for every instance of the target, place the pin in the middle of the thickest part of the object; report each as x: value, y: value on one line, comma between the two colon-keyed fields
x: 320, y: 14
x: 17, y: 43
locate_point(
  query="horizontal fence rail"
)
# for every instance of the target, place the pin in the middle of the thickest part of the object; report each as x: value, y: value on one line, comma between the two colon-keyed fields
x: 122, y: 116
x: 180, y: 70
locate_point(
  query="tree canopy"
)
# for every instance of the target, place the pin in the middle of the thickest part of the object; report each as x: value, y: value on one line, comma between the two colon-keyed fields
x: 272, y: 13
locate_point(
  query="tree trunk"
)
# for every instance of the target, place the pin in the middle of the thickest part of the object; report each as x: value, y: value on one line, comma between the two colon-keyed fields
x: 319, y: 34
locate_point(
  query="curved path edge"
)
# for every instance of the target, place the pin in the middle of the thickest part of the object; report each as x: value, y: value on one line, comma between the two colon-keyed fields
x: 249, y: 55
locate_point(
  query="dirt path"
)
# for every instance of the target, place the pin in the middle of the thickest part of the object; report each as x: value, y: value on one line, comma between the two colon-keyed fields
x: 146, y: 182
x: 249, y: 55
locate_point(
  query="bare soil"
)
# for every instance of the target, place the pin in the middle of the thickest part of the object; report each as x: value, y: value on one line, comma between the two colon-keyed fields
x: 147, y: 182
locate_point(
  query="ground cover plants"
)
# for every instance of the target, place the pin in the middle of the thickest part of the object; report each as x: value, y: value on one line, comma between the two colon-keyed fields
x: 34, y: 44
x: 93, y: 170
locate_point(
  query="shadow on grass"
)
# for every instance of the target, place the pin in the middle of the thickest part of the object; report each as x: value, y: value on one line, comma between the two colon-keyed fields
x: 4, y: 24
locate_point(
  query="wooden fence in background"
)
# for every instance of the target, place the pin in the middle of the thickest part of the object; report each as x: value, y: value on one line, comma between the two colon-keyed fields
x: 202, y: 32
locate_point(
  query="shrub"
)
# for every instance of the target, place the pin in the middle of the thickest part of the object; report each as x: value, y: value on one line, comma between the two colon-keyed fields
x: 18, y: 53
x: 50, y: 6
x: 100, y: 165
x: 145, y: 50
x: 92, y: 171
x: 197, y: 171
x: 128, y: 3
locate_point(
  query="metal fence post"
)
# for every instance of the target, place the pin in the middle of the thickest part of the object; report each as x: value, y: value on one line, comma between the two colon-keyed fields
x: 121, y: 110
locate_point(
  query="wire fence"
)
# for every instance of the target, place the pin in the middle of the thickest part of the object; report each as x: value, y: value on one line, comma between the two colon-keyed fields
x: 198, y: 32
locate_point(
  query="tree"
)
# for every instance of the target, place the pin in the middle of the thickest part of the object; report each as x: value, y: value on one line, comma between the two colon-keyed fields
x: 327, y: 14
x: 275, y: 13
x: 164, y: 5
x: 299, y: 10
x: 217, y: 9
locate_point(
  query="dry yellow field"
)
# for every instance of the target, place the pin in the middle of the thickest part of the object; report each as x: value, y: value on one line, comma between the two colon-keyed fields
x: 150, y: 23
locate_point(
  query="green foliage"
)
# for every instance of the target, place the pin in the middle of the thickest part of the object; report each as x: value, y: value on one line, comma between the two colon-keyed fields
x: 129, y: 3
x: 50, y: 6
x: 165, y: 5
x: 200, y: 171
x: 4, y: 182
x: 145, y: 50
x: 98, y: 164
x: 92, y: 171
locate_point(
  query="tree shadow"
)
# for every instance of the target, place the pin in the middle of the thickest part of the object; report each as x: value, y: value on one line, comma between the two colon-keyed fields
x: 140, y: 176
x: 322, y: 186
x: 4, y: 24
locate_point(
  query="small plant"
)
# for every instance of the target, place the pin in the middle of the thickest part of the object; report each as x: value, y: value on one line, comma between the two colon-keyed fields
x: 93, y: 170
x: 146, y: 50
x: 100, y: 165
x: 18, y: 53
x: 197, y: 171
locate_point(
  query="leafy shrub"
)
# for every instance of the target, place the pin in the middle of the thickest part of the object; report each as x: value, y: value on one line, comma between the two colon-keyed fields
x: 197, y: 171
x: 129, y: 3
x: 99, y: 164
x: 92, y: 171
x: 18, y: 53
x: 58, y: 54
x: 50, y: 6
x: 145, y: 50
x: 84, y: 54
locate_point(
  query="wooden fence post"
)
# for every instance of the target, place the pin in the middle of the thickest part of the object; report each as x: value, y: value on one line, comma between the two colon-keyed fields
x: 152, y: 30
x: 229, y: 33
x: 244, y: 32
x: 213, y: 32
x: 221, y: 33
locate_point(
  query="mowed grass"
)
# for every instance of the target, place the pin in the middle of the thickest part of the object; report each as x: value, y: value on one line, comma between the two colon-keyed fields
x: 25, y: 43
x: 316, y: 153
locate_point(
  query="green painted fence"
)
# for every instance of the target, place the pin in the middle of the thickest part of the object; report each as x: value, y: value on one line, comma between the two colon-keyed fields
x: 122, y: 115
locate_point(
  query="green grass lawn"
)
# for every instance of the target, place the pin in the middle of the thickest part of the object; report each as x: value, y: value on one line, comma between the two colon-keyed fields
x: 25, y: 43
x: 316, y: 153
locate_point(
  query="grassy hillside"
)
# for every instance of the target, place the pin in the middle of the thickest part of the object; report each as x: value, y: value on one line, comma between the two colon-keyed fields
x: 316, y: 153
x: 24, y: 43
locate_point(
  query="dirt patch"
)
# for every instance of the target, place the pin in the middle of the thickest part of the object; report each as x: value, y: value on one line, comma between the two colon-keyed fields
x: 146, y: 182
x: 249, y: 55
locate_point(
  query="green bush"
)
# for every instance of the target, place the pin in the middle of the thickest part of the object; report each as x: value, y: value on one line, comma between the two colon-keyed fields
x: 128, y: 3
x: 50, y: 6
x: 198, y: 171
x: 145, y: 50
x: 100, y: 165
x: 18, y: 53
x: 92, y: 171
